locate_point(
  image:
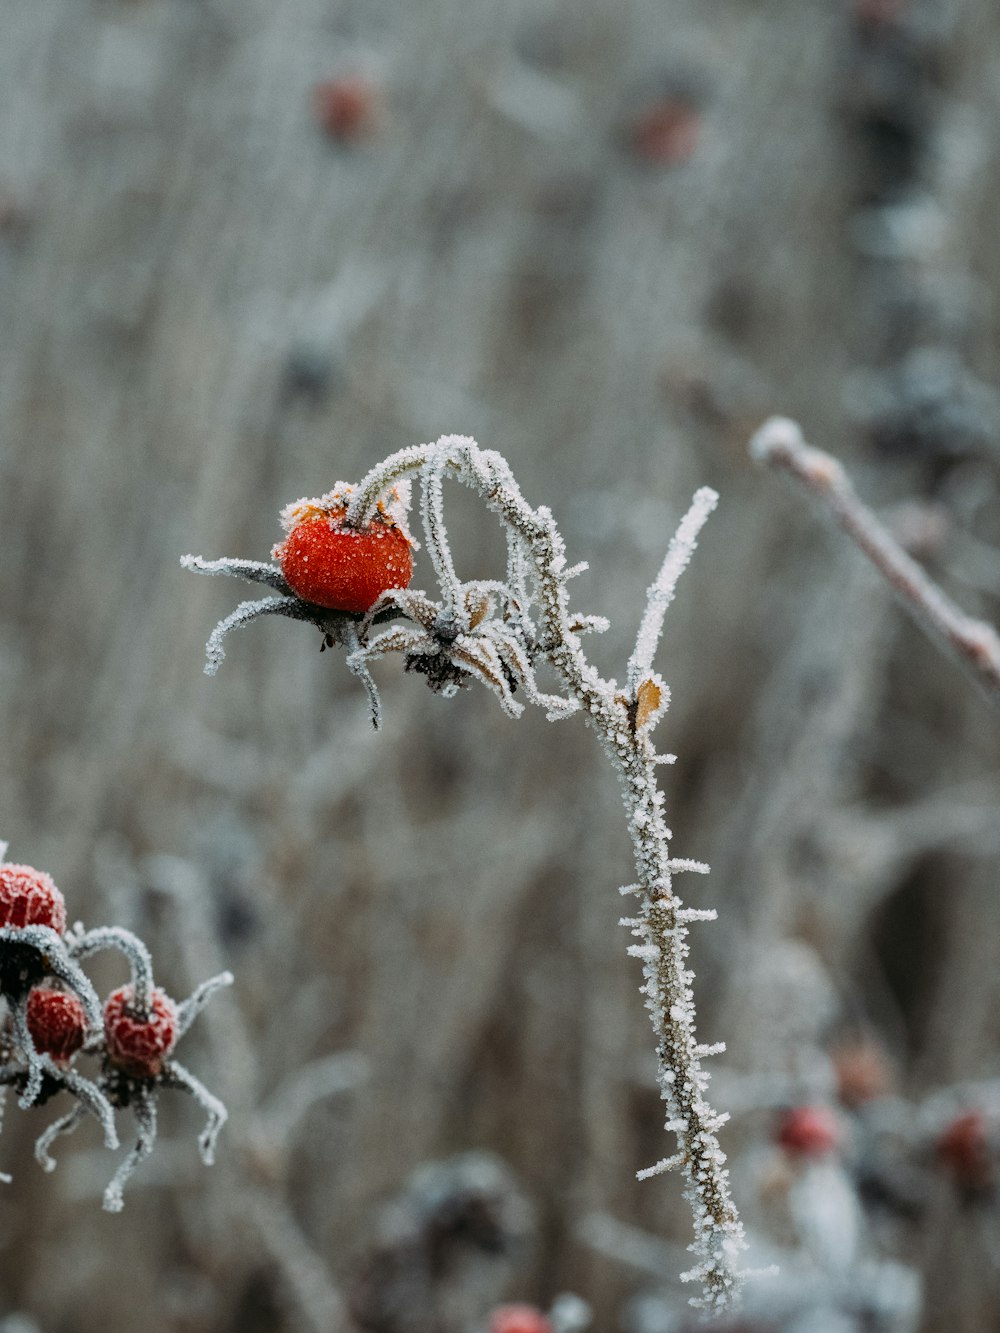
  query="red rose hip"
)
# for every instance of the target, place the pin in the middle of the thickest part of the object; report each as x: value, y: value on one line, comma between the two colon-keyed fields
x: 809, y: 1131
x: 29, y: 897
x: 137, y: 1042
x: 346, y: 108
x: 57, y: 1023
x: 964, y: 1149
x: 345, y: 569
x: 519, y: 1319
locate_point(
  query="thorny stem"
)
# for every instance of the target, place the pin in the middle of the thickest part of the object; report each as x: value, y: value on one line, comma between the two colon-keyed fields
x: 623, y: 721
x: 535, y: 624
x: 973, y: 643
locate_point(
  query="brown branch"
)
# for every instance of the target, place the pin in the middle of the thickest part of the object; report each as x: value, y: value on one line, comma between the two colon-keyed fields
x: 973, y: 643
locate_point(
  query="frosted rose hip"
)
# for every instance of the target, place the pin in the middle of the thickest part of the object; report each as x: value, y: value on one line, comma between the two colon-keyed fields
x: 57, y: 1022
x: 342, y: 568
x: 29, y: 897
x: 139, y: 1043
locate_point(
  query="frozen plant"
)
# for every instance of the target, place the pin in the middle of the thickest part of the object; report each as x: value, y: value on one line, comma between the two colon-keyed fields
x: 499, y: 632
x: 54, y: 1016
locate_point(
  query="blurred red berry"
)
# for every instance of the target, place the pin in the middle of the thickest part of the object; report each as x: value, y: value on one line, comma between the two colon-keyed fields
x: 809, y: 1131
x: 964, y: 1148
x: 346, y: 108
x: 57, y: 1022
x: 343, y: 568
x: 666, y: 133
x: 139, y: 1042
x: 519, y: 1319
x: 29, y: 897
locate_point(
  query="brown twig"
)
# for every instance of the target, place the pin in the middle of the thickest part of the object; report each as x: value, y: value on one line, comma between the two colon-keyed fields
x: 973, y: 643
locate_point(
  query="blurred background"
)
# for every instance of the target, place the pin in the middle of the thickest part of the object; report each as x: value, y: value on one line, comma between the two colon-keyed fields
x: 249, y: 247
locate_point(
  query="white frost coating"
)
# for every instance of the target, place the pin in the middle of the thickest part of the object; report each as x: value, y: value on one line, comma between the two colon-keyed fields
x: 661, y: 591
x: 498, y: 633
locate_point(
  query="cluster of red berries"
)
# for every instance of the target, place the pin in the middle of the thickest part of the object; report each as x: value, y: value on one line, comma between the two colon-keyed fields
x: 965, y: 1148
x: 136, y: 1042
x: 343, y: 568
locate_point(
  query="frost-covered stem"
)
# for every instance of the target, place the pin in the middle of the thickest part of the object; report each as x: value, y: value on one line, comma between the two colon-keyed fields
x: 973, y: 643
x: 139, y: 960
x: 661, y: 592
x: 615, y: 716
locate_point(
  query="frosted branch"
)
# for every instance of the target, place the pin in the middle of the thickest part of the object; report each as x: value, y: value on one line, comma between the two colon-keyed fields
x: 64, y: 1125
x: 459, y: 638
x: 177, y: 1076
x: 89, y: 1099
x: 316, y: 1081
x: 245, y: 614
x: 139, y: 961
x: 253, y: 571
x: 33, y: 1085
x: 144, y: 1108
x: 661, y: 591
x: 190, y: 1008
x: 973, y: 643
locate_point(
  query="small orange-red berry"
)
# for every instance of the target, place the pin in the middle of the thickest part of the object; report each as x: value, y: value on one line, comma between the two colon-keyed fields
x: 343, y: 568
x: 57, y: 1022
x: 519, y: 1319
x: 139, y: 1042
x: 29, y: 897
x: 964, y: 1148
x: 809, y: 1131
x: 666, y: 133
x: 346, y: 108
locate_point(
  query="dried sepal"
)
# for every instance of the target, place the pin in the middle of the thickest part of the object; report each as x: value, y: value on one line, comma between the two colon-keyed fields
x: 651, y: 700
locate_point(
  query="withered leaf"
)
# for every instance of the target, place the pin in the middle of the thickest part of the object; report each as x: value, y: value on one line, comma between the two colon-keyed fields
x: 648, y: 698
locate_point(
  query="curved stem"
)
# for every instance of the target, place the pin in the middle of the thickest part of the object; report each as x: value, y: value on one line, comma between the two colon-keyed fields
x: 536, y: 545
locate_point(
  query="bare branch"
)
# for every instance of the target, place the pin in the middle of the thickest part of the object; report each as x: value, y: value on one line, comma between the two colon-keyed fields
x: 973, y: 643
x: 661, y: 592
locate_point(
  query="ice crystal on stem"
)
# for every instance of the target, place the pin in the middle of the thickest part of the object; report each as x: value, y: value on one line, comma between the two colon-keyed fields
x: 499, y: 632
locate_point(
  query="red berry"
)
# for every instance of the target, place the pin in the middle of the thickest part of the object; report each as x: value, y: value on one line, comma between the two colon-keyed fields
x: 138, y: 1042
x: 346, y: 108
x: 519, y: 1319
x: 343, y: 568
x: 964, y: 1148
x: 29, y: 897
x: 809, y: 1131
x: 57, y: 1022
x: 666, y: 133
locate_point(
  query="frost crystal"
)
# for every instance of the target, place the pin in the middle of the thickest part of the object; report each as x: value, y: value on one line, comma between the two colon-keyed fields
x: 498, y: 632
